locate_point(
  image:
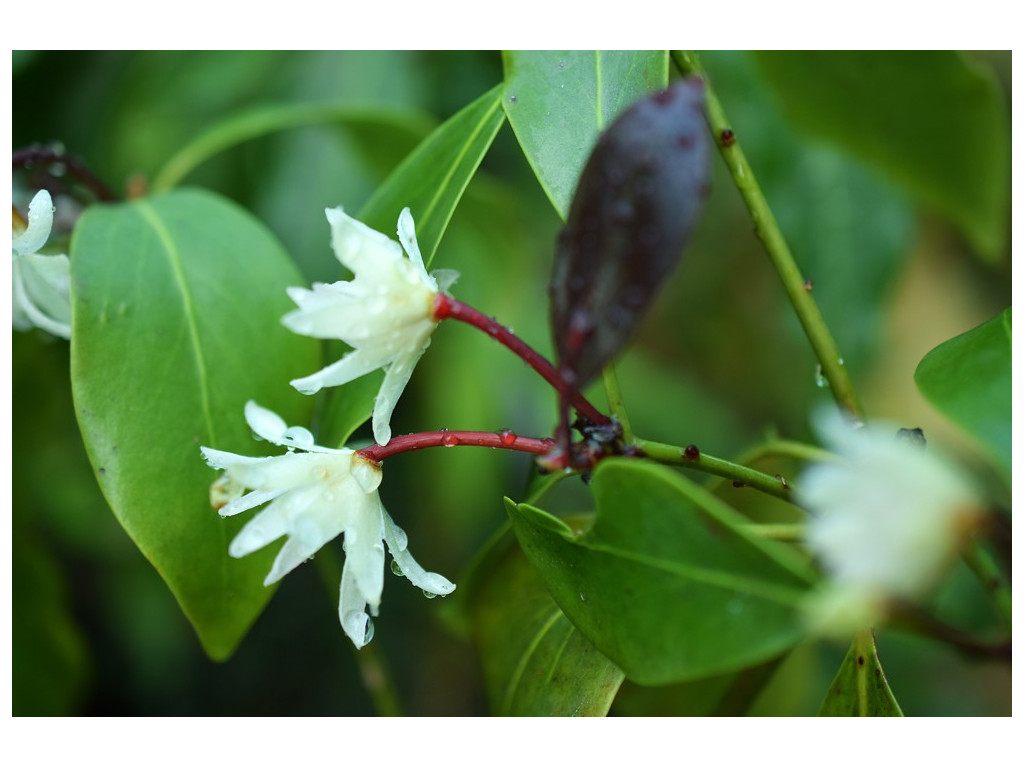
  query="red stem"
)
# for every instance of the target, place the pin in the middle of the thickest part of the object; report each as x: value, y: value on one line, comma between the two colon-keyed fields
x: 446, y: 306
x: 506, y: 439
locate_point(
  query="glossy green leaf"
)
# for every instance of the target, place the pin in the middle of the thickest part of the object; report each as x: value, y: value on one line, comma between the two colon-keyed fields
x: 535, y: 661
x: 968, y: 378
x: 431, y: 180
x: 667, y: 584
x: 860, y: 688
x: 558, y: 102
x: 177, y: 305
x: 932, y: 120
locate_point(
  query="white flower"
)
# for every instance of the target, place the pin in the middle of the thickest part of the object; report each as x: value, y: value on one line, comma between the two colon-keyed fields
x: 887, y: 517
x: 315, y: 494
x: 41, y: 284
x: 386, y: 313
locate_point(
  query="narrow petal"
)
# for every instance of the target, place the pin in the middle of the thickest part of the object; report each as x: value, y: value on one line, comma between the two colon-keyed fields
x: 356, y: 363
x: 224, y: 459
x: 397, y: 542
x: 25, y: 308
x: 269, y: 525
x: 364, y: 548
x: 248, y: 501
x: 352, y: 610
x: 271, y: 427
x: 40, y: 222
x: 407, y: 236
x: 395, y: 380
x: 356, y: 245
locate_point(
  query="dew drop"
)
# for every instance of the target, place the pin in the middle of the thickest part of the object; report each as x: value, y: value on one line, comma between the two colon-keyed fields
x: 583, y: 598
x: 507, y: 437
x: 428, y: 594
x: 396, y: 568
x: 368, y: 634
x: 819, y: 378
x: 449, y: 441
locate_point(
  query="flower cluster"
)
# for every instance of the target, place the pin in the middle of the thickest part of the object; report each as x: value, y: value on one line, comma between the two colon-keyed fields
x: 41, y: 285
x: 887, y: 517
x: 313, y: 494
x: 385, y: 313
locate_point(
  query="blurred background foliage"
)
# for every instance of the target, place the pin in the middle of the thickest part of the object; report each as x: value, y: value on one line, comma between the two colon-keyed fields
x: 720, y: 362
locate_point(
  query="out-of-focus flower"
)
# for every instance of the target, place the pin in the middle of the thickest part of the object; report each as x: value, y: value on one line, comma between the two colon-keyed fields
x: 41, y: 284
x: 315, y: 494
x: 886, y: 518
x: 385, y: 313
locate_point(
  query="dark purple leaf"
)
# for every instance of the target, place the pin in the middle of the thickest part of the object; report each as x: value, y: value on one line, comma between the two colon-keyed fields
x: 636, y: 204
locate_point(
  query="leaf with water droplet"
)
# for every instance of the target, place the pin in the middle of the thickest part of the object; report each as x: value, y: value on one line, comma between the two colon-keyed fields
x: 636, y: 204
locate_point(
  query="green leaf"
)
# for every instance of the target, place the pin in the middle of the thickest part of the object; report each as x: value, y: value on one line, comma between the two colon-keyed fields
x: 535, y: 661
x: 260, y: 121
x: 968, y: 378
x: 860, y: 688
x: 431, y: 180
x: 177, y: 302
x: 666, y: 583
x: 932, y: 120
x: 558, y: 102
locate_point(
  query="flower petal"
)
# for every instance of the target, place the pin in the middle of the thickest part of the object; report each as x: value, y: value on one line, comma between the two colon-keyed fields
x: 356, y: 363
x: 397, y: 542
x: 407, y: 237
x: 357, y: 246
x: 352, y: 610
x: 40, y: 222
x: 395, y: 380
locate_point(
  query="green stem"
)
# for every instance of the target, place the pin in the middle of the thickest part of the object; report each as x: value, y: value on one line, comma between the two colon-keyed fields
x: 992, y: 579
x: 798, y: 290
x: 373, y: 667
x: 692, y: 457
x: 615, y: 404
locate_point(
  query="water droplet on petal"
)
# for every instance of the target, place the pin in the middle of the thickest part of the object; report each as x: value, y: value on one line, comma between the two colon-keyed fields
x: 396, y: 568
x: 368, y: 634
x: 429, y: 595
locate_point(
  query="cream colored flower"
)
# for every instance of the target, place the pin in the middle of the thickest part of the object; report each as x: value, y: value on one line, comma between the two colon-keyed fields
x: 385, y: 313
x: 315, y: 494
x: 41, y: 284
x: 885, y: 521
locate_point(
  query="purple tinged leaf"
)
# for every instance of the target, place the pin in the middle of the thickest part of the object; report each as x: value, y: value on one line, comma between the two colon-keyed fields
x: 636, y: 204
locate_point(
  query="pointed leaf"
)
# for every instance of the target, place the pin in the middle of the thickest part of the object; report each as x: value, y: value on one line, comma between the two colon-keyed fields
x: 968, y: 378
x: 431, y: 180
x: 558, y: 102
x: 535, y: 661
x: 931, y: 120
x: 636, y: 204
x: 177, y: 305
x: 860, y: 688
x: 666, y: 583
